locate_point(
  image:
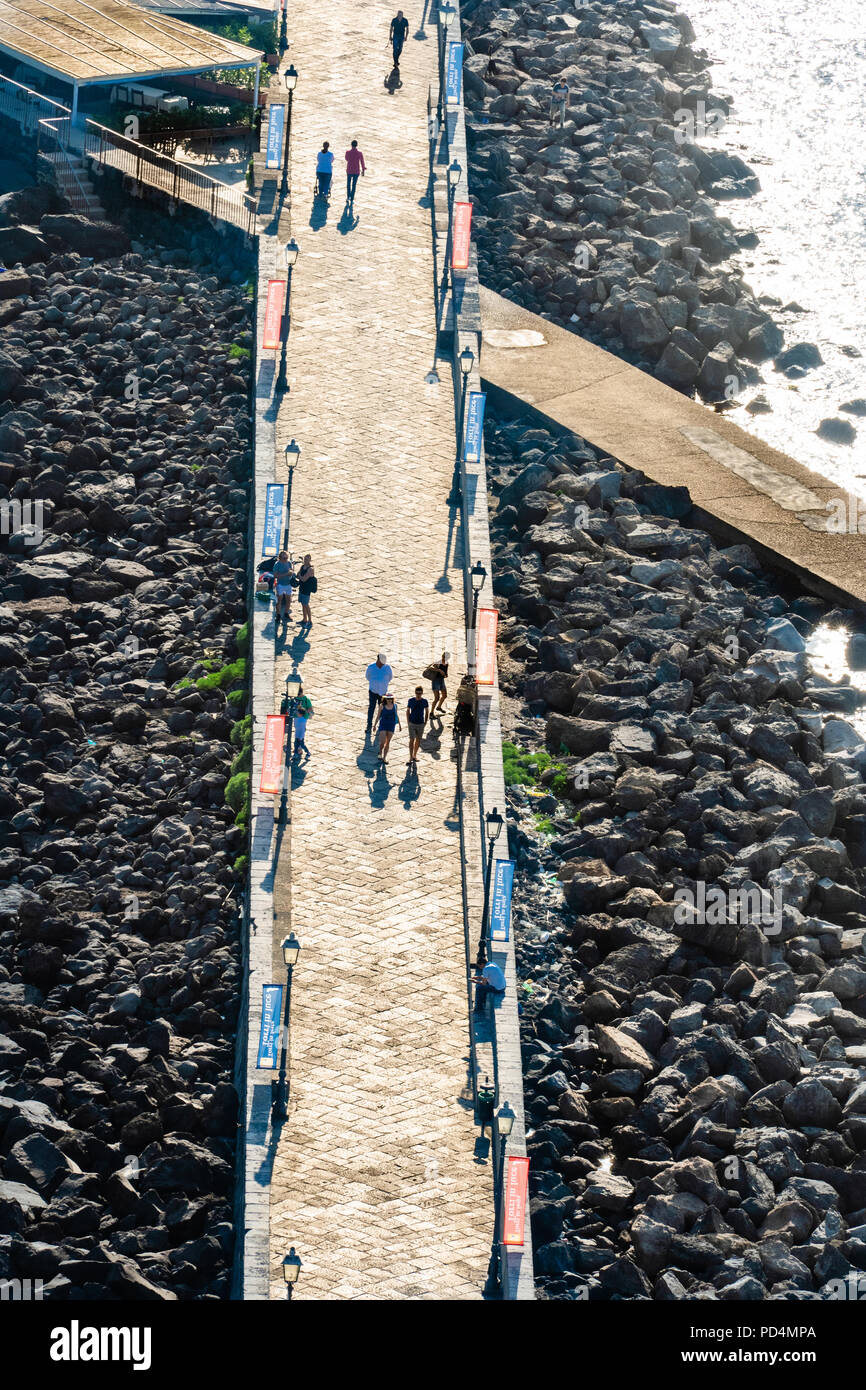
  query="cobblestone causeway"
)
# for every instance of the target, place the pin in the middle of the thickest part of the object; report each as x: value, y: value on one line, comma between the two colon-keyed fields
x: 375, y: 1179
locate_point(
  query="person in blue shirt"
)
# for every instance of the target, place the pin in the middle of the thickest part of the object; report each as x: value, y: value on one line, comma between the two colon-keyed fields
x: 387, y: 722
x: 416, y: 718
x: 324, y: 169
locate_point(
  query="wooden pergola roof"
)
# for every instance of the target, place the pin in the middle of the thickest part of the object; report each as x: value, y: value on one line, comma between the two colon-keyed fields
x: 83, y: 41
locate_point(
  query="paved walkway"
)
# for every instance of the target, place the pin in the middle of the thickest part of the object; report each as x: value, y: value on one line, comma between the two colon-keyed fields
x: 375, y: 1179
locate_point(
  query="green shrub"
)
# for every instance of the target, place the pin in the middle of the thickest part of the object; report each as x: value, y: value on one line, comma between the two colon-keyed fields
x: 237, y: 788
x: 235, y: 673
x: 242, y: 762
x: 236, y: 351
x: 242, y: 639
x: 241, y: 864
x: 242, y: 732
x: 522, y: 768
x: 237, y: 699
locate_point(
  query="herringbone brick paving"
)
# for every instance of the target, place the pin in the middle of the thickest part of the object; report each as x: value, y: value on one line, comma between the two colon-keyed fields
x: 375, y: 1177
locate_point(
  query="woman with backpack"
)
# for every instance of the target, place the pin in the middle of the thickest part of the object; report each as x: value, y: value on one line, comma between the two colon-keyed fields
x: 437, y: 674
x: 307, y: 584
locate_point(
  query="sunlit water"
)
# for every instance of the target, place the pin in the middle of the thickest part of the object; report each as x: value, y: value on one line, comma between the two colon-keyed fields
x: 796, y: 71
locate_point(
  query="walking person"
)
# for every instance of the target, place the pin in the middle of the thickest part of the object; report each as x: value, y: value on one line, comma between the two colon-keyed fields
x: 388, y: 721
x: 284, y: 583
x: 308, y: 585
x: 397, y: 35
x: 379, y: 676
x: 416, y: 718
x: 355, y: 165
x: 303, y: 712
x: 558, y: 100
x: 324, y: 170
x: 438, y: 678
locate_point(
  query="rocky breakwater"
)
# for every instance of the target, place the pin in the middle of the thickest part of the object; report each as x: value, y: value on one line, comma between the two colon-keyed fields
x: 688, y: 813
x: 609, y: 225
x: 124, y: 467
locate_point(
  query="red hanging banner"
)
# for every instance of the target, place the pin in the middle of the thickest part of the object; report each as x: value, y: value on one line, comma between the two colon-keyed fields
x: 485, y: 662
x: 272, y: 757
x: 514, y: 1210
x: 461, y: 233
x: 274, y: 313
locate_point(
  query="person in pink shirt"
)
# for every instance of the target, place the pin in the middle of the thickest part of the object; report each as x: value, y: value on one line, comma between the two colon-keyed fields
x: 355, y: 165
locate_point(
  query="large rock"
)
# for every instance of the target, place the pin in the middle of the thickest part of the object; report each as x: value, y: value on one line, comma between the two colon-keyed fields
x: 88, y: 238
x: 622, y: 1050
x: 24, y: 244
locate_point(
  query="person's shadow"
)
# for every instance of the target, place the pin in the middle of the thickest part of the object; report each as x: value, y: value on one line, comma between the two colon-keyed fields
x: 299, y: 647
x: 349, y: 221
x: 299, y: 774
x: 319, y: 214
x: 392, y: 81
x: 378, y: 786
x: 432, y: 741
x: 410, y: 788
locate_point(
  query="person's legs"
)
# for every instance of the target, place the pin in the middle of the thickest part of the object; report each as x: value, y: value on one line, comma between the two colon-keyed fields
x: 305, y: 609
x: 326, y: 185
x: 372, y: 705
x: 482, y: 989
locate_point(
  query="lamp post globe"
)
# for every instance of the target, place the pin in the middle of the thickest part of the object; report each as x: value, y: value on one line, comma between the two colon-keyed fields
x: 467, y: 361
x: 292, y: 252
x: 455, y: 169
x: 291, y: 949
x: 505, y: 1118
x: 291, y: 1267
x: 478, y: 574
x: 293, y: 454
x: 290, y: 77
x: 494, y: 825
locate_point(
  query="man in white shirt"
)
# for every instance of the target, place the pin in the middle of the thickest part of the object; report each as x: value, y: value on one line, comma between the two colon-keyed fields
x: 379, y: 676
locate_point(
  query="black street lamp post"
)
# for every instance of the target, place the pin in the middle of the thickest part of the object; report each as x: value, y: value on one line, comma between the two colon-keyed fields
x: 290, y: 77
x: 500, y: 1129
x: 494, y: 826
x: 477, y: 576
x: 447, y: 12
x: 454, y: 172
x: 293, y: 690
x: 292, y: 253
x: 467, y: 362
x: 293, y: 458
x: 291, y: 948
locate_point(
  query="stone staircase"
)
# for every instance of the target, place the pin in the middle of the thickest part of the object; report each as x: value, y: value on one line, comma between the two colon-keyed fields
x: 73, y: 182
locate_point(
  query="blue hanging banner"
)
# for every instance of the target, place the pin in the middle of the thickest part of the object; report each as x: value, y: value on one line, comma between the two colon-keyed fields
x: 269, y: 1035
x: 272, y: 534
x: 276, y: 125
x: 454, y: 74
x: 500, y: 912
x: 474, y: 426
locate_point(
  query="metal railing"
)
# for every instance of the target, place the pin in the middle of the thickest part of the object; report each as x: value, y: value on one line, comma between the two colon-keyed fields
x: 152, y: 170
x: 53, y: 143
x: 25, y: 106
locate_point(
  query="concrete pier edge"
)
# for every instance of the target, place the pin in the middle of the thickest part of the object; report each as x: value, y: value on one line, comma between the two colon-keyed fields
x: 461, y: 321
